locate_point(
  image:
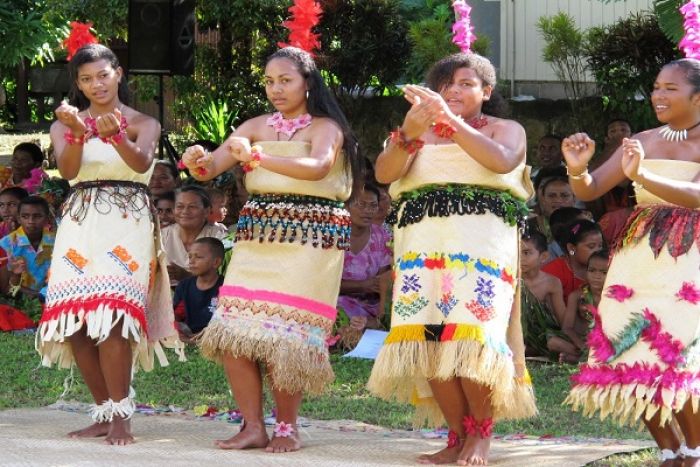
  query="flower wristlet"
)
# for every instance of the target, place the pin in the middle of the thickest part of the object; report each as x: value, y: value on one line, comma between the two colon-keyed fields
x: 398, y: 138
x: 254, y: 162
x: 71, y: 139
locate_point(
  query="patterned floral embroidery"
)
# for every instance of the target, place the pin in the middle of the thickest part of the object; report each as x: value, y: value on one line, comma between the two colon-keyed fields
x: 410, y: 304
x: 122, y: 257
x: 689, y: 292
x: 75, y: 260
x: 454, y: 261
x: 410, y: 283
x: 482, y: 313
x: 619, y: 292
x: 447, y: 301
x: 484, y: 290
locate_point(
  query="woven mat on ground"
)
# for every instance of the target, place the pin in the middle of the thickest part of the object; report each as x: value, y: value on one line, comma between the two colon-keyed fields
x: 36, y: 437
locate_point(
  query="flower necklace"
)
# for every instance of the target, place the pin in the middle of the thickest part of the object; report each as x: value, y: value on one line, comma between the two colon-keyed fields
x: 288, y: 126
x: 445, y: 130
x: 669, y: 134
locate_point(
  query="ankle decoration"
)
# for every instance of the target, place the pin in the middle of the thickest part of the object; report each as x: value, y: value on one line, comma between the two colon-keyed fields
x: 688, y: 452
x: 667, y: 454
x: 125, y: 408
x: 283, y: 430
x: 101, y: 413
x: 453, y: 439
x: 484, y: 428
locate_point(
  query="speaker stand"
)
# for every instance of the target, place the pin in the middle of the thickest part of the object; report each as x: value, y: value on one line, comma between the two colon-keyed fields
x: 164, y: 144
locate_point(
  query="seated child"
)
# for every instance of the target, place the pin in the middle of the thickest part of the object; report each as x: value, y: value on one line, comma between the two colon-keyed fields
x: 542, y: 298
x: 578, y: 318
x: 196, y: 297
x: 219, y: 206
x: 9, y: 208
x: 28, y: 249
x: 165, y: 208
x: 559, y: 221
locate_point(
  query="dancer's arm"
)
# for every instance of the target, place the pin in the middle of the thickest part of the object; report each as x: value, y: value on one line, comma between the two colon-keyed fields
x: 686, y: 194
x: 137, y: 154
x: 68, y: 156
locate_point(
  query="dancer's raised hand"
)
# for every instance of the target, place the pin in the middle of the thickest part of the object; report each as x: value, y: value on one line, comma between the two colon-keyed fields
x: 68, y: 115
x: 578, y: 150
x: 632, y: 156
x: 426, y: 109
x: 239, y: 148
x: 108, y: 124
x: 196, y: 157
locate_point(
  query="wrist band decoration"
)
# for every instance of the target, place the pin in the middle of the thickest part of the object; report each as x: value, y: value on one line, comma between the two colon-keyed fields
x: 580, y: 176
x: 444, y: 130
x: 472, y: 427
x: 254, y: 162
x: 71, y: 139
x: 283, y: 430
x: 398, y: 138
x: 201, y: 171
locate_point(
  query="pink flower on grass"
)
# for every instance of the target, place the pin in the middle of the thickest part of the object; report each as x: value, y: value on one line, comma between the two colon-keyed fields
x: 689, y: 292
x: 619, y: 292
x: 283, y: 430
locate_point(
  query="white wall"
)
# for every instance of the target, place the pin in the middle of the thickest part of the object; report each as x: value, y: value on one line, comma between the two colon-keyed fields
x: 522, y: 43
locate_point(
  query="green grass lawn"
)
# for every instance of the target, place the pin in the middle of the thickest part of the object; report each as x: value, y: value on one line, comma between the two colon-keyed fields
x: 198, y: 381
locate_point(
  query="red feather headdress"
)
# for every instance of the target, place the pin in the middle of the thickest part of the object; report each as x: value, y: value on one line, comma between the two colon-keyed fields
x: 79, y: 36
x: 305, y: 15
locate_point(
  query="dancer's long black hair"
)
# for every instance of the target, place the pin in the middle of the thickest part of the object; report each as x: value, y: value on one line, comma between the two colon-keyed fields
x: 322, y: 103
x: 88, y: 54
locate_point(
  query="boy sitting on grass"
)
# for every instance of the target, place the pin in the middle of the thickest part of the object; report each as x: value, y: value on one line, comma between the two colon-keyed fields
x: 196, y: 297
x: 28, y: 249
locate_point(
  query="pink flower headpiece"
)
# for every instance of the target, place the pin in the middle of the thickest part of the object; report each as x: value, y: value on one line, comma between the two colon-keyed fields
x: 690, y: 44
x: 305, y: 15
x: 462, y: 31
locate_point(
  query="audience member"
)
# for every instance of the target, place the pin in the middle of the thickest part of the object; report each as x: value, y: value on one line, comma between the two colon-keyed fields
x: 553, y: 193
x: 28, y: 249
x: 542, y: 298
x: 25, y: 168
x: 584, y: 237
x: 384, y: 204
x: 559, y: 222
x: 549, y: 154
x: 196, y: 297
x: 165, y: 208
x: 219, y: 206
x: 367, y: 260
x: 192, y: 208
x: 9, y: 208
x: 165, y: 178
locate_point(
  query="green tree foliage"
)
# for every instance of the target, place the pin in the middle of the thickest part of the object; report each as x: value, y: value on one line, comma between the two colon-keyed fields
x: 26, y: 32
x: 625, y: 58
x: 363, y: 44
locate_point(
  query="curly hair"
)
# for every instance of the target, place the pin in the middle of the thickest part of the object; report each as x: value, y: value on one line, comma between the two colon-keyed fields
x: 442, y: 72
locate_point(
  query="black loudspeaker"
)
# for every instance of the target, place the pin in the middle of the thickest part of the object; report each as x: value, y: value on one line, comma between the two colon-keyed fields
x: 161, y: 37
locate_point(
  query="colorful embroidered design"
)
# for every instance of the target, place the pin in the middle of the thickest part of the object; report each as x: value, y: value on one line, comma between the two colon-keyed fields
x: 453, y: 261
x: 669, y: 350
x: 689, y: 293
x: 285, y: 218
x: 447, y: 301
x: 446, y: 200
x: 410, y: 304
x: 75, y: 260
x: 619, y: 292
x: 481, y: 311
x: 123, y: 258
x: 410, y: 283
x: 484, y: 290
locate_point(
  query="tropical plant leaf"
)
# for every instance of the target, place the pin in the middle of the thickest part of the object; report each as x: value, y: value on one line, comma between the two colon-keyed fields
x: 670, y: 18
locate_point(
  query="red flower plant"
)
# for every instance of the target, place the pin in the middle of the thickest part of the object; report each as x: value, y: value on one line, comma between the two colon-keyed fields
x: 79, y: 36
x: 305, y: 15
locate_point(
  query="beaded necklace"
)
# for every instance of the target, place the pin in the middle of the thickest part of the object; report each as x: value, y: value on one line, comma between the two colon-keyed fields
x: 288, y: 126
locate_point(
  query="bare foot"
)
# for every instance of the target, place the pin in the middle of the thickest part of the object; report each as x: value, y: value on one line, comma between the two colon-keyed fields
x: 475, y: 451
x: 249, y: 436
x: 120, y: 432
x: 289, y: 443
x: 445, y: 456
x: 93, y: 431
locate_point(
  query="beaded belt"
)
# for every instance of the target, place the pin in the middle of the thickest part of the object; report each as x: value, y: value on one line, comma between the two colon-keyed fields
x: 105, y: 195
x: 446, y: 200
x: 291, y: 218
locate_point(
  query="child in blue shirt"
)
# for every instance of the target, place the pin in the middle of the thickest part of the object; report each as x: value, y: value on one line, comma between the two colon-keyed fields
x: 196, y: 297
